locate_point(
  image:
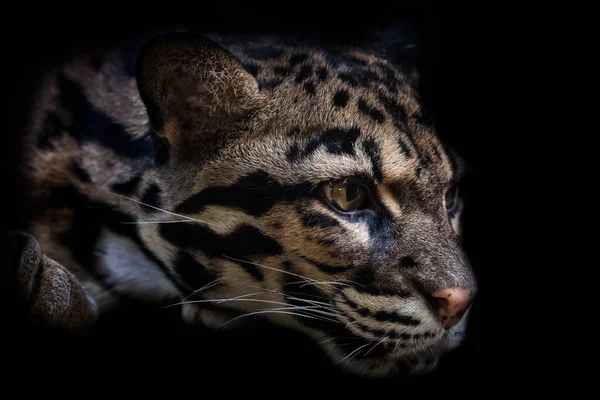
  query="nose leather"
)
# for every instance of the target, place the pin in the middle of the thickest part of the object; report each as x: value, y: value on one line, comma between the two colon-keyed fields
x: 452, y: 303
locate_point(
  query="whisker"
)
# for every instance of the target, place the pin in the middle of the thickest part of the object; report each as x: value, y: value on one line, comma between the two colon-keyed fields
x: 310, y: 295
x: 153, y: 222
x: 327, y: 305
x: 160, y: 209
x: 205, y: 287
x: 313, y: 308
x: 322, y: 283
x: 264, y: 266
x: 378, y: 343
x: 212, y: 300
x: 327, y: 340
x: 361, y: 347
x: 350, y: 359
x: 350, y: 323
x: 276, y: 311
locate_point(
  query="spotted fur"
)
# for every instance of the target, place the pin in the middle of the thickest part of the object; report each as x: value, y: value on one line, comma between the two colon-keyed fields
x: 190, y: 177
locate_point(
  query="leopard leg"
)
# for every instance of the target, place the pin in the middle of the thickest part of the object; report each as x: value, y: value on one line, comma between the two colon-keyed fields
x: 50, y: 294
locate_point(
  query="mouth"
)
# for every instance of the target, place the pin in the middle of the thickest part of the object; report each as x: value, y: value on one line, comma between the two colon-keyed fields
x: 387, y: 356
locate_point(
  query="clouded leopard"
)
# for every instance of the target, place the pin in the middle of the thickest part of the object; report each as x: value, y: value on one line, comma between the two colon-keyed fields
x: 241, y: 178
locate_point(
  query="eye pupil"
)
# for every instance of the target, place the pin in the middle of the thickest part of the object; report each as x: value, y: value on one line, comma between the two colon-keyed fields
x: 345, y: 196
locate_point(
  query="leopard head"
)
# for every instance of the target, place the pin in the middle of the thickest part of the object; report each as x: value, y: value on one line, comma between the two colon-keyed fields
x: 306, y: 187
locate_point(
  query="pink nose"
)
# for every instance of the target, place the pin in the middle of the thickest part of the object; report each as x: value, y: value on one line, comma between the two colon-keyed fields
x: 453, y: 303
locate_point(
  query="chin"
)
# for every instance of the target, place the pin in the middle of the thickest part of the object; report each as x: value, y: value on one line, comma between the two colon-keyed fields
x: 389, y: 357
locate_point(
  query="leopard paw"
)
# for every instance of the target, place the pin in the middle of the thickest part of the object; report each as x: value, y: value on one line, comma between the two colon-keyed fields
x: 46, y: 290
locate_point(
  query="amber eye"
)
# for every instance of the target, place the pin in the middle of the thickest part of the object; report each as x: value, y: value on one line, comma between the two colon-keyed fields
x: 451, y: 198
x: 345, y: 196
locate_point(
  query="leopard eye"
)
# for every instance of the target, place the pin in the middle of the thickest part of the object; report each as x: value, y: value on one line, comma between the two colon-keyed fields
x: 451, y: 198
x: 345, y: 196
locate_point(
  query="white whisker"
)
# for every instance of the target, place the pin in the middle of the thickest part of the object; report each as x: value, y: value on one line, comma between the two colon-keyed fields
x: 350, y: 323
x: 327, y: 340
x: 361, y: 347
x: 328, y: 306
x: 154, y: 222
x: 324, y: 283
x: 378, y: 343
x: 211, y: 300
x: 264, y: 266
x: 277, y: 311
x: 205, y: 287
x: 162, y: 210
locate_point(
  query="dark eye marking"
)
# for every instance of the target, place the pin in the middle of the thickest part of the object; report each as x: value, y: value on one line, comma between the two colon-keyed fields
x: 255, y: 193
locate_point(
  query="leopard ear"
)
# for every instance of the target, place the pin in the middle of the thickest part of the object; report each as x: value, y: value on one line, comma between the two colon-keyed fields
x: 192, y: 86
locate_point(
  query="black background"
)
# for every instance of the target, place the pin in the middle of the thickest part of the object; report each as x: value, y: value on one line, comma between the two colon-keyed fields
x: 457, y: 77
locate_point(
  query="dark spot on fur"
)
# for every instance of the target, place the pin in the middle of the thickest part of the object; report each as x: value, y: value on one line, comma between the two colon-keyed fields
x: 270, y: 84
x: 397, y: 112
x: 264, y: 53
x: 127, y: 187
x: 162, y: 151
x: 407, y: 262
x: 340, y: 99
x: 389, y: 77
x: 80, y: 173
x: 244, y: 243
x: 322, y: 74
x: 256, y: 194
x: 277, y: 225
x: 297, y: 59
x: 282, y: 71
x: 336, y: 141
x: 374, y: 154
x: 151, y: 197
x: 310, y: 88
x: 372, y: 112
x: 348, y: 78
x: 403, y: 148
x: 293, y: 153
x: 365, y: 78
x: 252, y: 69
x: 193, y: 274
x: 304, y: 73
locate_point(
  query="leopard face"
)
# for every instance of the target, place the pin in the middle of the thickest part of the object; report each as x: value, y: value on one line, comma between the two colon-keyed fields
x: 306, y: 187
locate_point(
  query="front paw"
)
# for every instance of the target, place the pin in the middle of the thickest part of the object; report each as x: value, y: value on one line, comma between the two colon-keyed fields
x: 49, y: 293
